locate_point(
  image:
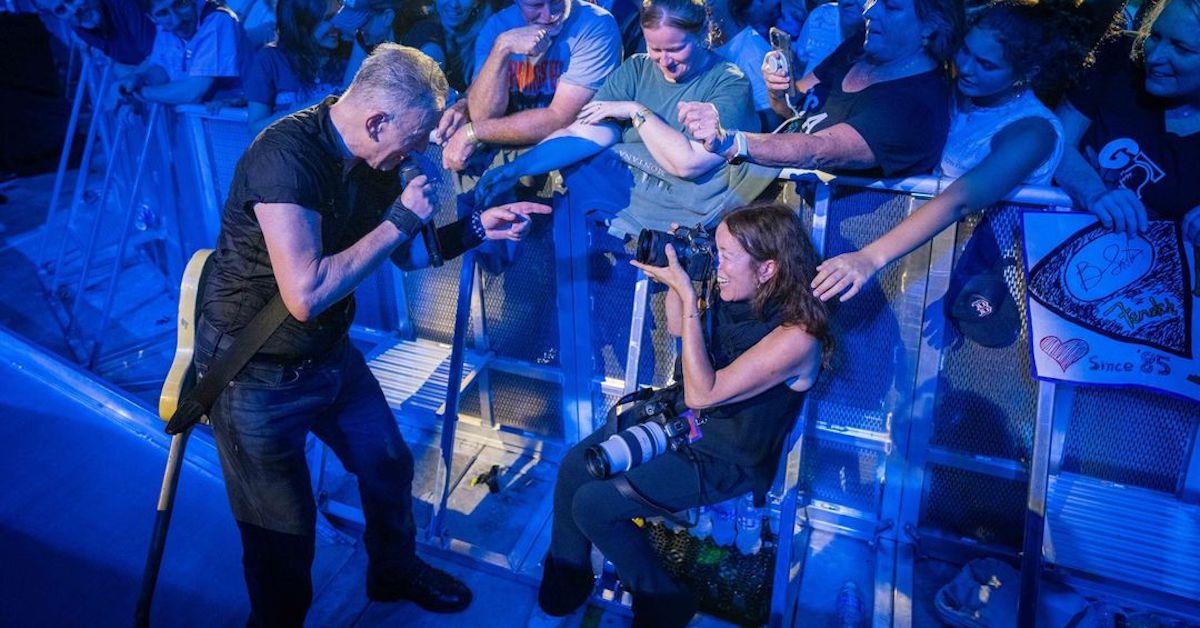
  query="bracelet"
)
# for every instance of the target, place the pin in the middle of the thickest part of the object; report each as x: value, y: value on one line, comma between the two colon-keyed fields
x: 741, y: 148
x: 469, y: 129
x: 476, y: 224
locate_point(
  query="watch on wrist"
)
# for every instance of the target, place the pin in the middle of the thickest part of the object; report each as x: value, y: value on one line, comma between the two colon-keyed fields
x: 639, y: 117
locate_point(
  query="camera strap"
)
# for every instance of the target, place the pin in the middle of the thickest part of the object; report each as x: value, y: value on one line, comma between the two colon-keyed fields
x: 630, y: 492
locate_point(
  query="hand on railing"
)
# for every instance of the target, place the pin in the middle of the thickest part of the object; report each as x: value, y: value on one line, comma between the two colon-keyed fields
x: 844, y: 274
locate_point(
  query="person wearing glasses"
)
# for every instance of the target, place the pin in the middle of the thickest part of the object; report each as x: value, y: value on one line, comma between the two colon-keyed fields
x: 199, y: 50
x: 117, y: 28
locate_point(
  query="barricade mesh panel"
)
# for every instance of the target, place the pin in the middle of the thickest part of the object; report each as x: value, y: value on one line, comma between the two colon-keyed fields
x: 432, y: 298
x: 611, y: 284
x: 601, y: 404
x: 227, y: 140
x: 847, y: 475
x: 432, y: 293
x: 1130, y: 436
x: 871, y: 373
x: 520, y: 300
x: 987, y: 397
x: 974, y: 505
x: 519, y: 402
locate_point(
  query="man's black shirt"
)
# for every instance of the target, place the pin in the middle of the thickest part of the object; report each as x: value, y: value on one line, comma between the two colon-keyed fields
x: 300, y: 160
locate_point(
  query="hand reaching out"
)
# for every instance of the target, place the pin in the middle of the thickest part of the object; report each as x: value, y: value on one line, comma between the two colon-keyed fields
x: 453, y: 118
x: 510, y: 221
x: 845, y: 274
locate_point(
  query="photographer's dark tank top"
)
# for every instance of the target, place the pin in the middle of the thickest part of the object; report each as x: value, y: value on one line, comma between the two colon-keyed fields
x: 751, y: 432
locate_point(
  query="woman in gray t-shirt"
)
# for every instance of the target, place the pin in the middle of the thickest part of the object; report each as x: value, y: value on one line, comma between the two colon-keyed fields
x: 627, y: 158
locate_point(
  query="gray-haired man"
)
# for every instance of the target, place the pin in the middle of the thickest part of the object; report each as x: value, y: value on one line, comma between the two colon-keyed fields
x: 314, y: 208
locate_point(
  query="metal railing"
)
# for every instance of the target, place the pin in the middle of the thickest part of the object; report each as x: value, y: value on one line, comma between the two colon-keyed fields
x: 900, y: 451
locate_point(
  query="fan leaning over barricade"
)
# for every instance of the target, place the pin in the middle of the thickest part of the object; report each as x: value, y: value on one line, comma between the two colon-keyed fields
x: 536, y: 64
x: 1001, y: 135
x: 626, y: 159
x: 877, y: 106
x: 200, y: 51
x: 119, y: 29
x: 315, y: 206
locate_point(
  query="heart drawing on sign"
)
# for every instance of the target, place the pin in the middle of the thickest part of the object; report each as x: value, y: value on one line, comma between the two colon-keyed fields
x: 1065, y: 353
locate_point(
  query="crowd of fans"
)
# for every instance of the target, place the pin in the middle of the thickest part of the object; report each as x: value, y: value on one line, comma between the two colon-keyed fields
x: 649, y: 108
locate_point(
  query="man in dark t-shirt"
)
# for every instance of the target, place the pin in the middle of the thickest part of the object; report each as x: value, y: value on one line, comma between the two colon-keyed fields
x: 314, y: 207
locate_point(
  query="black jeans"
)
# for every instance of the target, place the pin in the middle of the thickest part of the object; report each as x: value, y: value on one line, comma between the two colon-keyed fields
x: 261, y: 422
x: 589, y: 511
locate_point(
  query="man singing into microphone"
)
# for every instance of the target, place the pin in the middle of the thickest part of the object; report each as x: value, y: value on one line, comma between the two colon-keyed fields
x: 315, y: 206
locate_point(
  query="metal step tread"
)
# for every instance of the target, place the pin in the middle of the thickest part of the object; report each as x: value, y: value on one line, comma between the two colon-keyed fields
x: 414, y: 374
x: 1125, y: 533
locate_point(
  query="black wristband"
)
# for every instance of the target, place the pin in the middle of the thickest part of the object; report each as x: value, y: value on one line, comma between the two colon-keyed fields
x: 405, y: 220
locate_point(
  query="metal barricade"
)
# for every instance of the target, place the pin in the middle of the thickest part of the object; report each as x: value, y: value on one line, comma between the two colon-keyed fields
x: 918, y: 442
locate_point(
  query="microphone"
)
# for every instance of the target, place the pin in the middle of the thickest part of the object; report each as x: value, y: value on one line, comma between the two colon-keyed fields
x: 409, y: 170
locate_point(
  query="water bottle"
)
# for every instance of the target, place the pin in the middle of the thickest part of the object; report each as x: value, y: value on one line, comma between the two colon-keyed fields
x: 749, y: 526
x: 724, y: 530
x: 704, y: 524
x: 849, y: 606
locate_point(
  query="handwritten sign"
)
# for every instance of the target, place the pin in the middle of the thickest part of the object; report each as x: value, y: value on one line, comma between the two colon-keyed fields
x: 1107, y: 308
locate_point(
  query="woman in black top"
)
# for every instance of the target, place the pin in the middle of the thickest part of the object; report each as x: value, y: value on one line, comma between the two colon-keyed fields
x: 1137, y: 127
x: 877, y: 106
x: 746, y: 382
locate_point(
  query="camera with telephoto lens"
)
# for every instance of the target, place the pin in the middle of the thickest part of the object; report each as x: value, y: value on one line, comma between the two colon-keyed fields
x: 694, y: 247
x: 663, y: 423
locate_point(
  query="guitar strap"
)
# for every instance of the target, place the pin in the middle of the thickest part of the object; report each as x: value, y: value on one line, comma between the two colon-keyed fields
x: 227, y: 365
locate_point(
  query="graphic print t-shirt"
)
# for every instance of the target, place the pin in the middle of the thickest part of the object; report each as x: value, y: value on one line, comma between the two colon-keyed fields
x: 1128, y: 142
x: 584, y: 53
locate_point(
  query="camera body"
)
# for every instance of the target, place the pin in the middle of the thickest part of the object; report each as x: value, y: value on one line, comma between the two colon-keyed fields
x: 662, y: 424
x: 694, y: 247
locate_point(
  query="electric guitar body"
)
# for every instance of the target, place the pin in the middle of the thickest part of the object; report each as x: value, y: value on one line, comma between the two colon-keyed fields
x: 182, y: 376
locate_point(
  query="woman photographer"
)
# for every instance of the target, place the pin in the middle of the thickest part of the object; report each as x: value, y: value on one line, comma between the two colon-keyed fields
x: 745, y: 380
